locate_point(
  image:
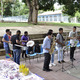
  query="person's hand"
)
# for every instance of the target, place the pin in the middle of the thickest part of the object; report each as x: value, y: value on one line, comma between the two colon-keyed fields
x: 63, y: 44
x: 49, y: 50
x: 9, y: 41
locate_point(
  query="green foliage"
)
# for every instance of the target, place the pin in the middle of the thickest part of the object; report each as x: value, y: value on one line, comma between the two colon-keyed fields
x: 24, y: 10
x: 70, y: 6
x: 0, y: 7
x: 46, y: 4
x: 7, y: 9
x: 78, y: 15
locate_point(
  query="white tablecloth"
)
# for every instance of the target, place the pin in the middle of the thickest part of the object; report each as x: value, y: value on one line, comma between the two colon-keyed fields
x: 9, y: 70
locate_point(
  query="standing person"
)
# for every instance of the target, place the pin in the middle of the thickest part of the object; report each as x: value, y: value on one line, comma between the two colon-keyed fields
x: 5, y: 40
x: 15, y: 40
x: 59, y: 45
x: 10, y: 34
x: 46, y: 49
x: 52, y: 56
x: 73, y: 37
x: 24, y: 39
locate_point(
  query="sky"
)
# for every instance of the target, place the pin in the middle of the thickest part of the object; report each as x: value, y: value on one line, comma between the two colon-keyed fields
x: 20, y: 0
x: 57, y: 6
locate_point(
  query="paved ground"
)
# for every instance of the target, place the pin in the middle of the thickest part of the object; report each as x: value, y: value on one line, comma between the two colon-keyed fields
x: 56, y: 74
x: 34, y: 29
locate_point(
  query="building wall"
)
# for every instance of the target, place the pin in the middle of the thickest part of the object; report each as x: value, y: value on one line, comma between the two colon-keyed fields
x: 53, y: 18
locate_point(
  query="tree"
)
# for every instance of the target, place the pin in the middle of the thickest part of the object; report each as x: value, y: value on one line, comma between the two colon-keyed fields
x: 20, y: 9
x: 35, y: 5
x: 70, y: 6
x: 78, y: 15
x: 7, y: 9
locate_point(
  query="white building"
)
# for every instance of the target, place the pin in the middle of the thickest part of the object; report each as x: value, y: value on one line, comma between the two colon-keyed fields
x: 56, y: 16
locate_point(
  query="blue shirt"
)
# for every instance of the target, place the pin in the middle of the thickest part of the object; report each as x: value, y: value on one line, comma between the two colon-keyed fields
x: 7, y: 39
x: 25, y: 38
x: 46, y: 44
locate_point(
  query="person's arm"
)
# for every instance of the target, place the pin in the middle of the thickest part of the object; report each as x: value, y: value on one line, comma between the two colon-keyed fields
x: 22, y: 39
x: 70, y: 36
x: 18, y: 41
x: 45, y: 45
x: 3, y: 39
x: 60, y: 42
x: 57, y: 41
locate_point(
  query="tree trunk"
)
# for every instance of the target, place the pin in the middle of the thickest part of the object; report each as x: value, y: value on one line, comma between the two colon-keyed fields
x: 34, y: 16
x: 33, y: 11
x: 30, y: 15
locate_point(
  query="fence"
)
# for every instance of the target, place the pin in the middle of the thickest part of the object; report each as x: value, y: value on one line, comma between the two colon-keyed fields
x: 22, y: 18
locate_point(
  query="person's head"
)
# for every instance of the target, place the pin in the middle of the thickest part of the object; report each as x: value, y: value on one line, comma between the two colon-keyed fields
x: 18, y: 32
x: 26, y: 33
x: 60, y: 30
x: 74, y: 28
x: 50, y: 30
x: 49, y: 34
x: 8, y: 31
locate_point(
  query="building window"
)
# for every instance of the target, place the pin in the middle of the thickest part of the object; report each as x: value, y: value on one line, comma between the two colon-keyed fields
x: 55, y: 18
x: 40, y: 18
x: 59, y: 18
x: 50, y: 18
x: 46, y: 18
x: 43, y: 18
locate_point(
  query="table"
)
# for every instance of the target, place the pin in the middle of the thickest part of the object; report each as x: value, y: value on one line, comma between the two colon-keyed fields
x: 9, y: 70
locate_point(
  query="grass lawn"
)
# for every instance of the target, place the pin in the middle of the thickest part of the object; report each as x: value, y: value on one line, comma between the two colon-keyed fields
x: 25, y: 24
x: 60, y: 24
x: 22, y: 24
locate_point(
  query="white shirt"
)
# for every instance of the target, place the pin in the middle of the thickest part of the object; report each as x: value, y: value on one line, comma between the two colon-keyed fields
x: 72, y: 41
x: 46, y: 44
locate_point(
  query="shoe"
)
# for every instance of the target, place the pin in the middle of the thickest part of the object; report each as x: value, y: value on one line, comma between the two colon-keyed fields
x: 53, y: 64
x: 50, y: 65
x: 71, y: 60
x: 23, y: 57
x: 59, y: 62
x: 74, y: 59
x: 62, y: 61
x: 50, y: 70
x: 47, y: 70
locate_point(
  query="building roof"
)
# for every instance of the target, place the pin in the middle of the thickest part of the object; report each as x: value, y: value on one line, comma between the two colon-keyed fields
x: 50, y: 13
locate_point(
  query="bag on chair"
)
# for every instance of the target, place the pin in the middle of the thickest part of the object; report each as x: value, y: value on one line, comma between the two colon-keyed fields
x: 37, y: 48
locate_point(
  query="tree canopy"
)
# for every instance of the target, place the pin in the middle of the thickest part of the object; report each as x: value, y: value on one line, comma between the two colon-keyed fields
x: 70, y: 6
x: 44, y: 4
